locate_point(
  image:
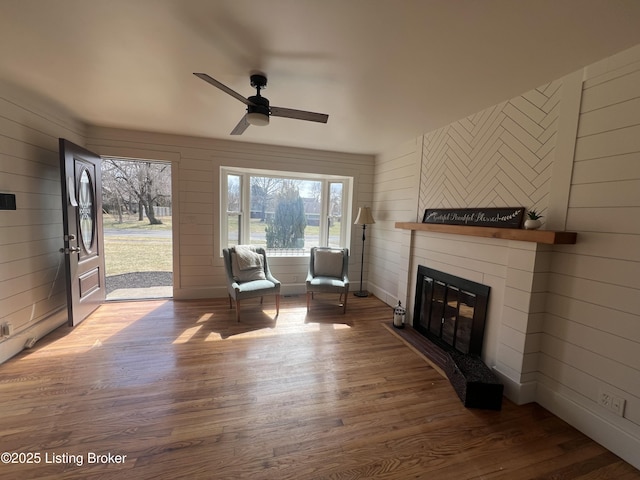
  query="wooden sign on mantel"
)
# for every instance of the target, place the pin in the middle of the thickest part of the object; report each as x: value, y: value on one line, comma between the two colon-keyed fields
x: 508, y: 217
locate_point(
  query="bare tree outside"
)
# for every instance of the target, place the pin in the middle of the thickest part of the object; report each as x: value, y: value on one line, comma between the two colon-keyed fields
x: 137, y: 228
x: 136, y: 186
x: 233, y: 193
x: 263, y: 191
x: 316, y: 192
x: 335, y: 199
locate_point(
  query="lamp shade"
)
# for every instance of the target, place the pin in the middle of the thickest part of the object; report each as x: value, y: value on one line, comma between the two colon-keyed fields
x: 364, y: 217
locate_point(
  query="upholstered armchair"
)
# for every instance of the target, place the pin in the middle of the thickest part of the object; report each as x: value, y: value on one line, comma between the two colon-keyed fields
x: 248, y: 276
x: 328, y: 273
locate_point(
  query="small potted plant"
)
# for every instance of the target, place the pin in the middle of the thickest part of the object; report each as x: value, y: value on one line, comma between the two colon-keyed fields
x: 533, y: 222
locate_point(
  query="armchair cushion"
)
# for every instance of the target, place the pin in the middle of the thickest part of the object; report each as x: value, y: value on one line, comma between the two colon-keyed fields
x: 254, y: 286
x: 328, y: 263
x: 249, y: 274
x: 331, y: 282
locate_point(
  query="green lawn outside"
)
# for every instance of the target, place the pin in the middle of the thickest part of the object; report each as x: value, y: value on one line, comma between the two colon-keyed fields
x: 131, y: 222
x: 143, y: 253
x: 136, y: 253
x: 258, y: 227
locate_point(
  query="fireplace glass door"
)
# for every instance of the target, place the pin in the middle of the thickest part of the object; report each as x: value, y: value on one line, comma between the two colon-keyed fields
x: 449, y: 313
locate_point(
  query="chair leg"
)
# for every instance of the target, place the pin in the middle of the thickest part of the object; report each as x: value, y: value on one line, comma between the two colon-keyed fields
x: 309, y: 295
x: 230, y: 304
x: 344, y: 304
x: 237, y: 310
x: 277, y: 305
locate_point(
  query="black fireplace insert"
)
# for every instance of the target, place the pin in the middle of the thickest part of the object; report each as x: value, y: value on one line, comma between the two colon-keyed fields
x: 450, y: 311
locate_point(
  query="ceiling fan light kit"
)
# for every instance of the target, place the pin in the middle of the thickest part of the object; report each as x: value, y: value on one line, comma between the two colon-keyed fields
x: 258, y: 119
x: 258, y: 113
x: 258, y: 109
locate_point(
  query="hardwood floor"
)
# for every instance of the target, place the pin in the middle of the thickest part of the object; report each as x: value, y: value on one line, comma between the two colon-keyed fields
x: 183, y: 391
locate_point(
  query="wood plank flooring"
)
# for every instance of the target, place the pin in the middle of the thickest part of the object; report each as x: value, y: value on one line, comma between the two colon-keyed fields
x: 183, y: 391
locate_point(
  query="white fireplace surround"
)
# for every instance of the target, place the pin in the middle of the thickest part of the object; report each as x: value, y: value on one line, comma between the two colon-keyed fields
x: 517, y: 272
x: 519, y: 152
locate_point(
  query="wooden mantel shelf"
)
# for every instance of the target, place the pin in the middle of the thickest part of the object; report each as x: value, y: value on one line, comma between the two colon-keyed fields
x: 538, y: 236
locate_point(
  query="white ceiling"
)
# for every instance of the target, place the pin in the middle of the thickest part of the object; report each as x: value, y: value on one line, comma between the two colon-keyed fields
x: 384, y: 70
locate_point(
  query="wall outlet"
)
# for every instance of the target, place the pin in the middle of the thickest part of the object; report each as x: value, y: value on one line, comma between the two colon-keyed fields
x: 611, y: 402
x: 604, y: 399
x: 617, y: 405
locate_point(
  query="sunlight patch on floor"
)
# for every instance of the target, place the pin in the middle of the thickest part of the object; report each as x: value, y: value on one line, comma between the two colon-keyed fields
x: 187, y: 335
x: 205, y: 317
x: 213, y: 337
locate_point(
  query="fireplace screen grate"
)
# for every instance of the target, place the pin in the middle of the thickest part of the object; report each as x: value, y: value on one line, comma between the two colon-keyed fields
x: 450, y: 310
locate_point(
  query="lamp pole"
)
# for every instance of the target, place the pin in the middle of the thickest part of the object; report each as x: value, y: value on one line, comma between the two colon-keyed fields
x: 364, y: 218
x: 362, y: 293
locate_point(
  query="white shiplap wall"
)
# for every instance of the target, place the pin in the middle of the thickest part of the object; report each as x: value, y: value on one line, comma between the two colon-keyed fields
x: 198, y: 265
x: 569, y: 316
x: 32, y: 292
x: 592, y: 330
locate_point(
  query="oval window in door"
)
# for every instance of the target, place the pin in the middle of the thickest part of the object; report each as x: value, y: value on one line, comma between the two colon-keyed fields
x: 86, y: 210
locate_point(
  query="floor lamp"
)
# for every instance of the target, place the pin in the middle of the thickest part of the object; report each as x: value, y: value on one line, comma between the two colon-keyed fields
x: 364, y: 218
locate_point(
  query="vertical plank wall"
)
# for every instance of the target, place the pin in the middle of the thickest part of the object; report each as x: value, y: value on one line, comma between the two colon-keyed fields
x: 198, y: 265
x: 32, y: 293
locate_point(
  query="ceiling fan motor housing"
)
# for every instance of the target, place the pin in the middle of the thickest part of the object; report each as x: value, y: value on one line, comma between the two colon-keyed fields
x: 258, y: 113
x: 260, y: 105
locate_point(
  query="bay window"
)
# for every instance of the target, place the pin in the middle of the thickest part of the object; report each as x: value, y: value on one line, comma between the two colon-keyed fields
x: 286, y: 213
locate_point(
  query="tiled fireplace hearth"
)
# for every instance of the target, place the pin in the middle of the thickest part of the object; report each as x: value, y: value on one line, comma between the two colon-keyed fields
x: 517, y: 272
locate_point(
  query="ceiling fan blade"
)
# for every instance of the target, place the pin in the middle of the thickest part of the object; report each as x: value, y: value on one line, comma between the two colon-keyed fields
x: 299, y: 114
x: 222, y: 87
x: 241, y: 126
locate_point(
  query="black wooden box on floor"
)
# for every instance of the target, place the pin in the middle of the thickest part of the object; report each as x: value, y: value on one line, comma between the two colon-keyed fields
x: 476, y: 385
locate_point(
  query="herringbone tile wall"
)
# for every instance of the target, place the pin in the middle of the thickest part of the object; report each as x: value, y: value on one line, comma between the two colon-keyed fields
x: 499, y: 157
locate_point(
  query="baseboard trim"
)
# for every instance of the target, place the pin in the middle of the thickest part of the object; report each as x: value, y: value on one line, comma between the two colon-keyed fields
x: 199, y: 293
x: 596, y: 427
x: 13, y: 345
x: 386, y: 297
x: 518, y: 392
x: 221, y: 292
